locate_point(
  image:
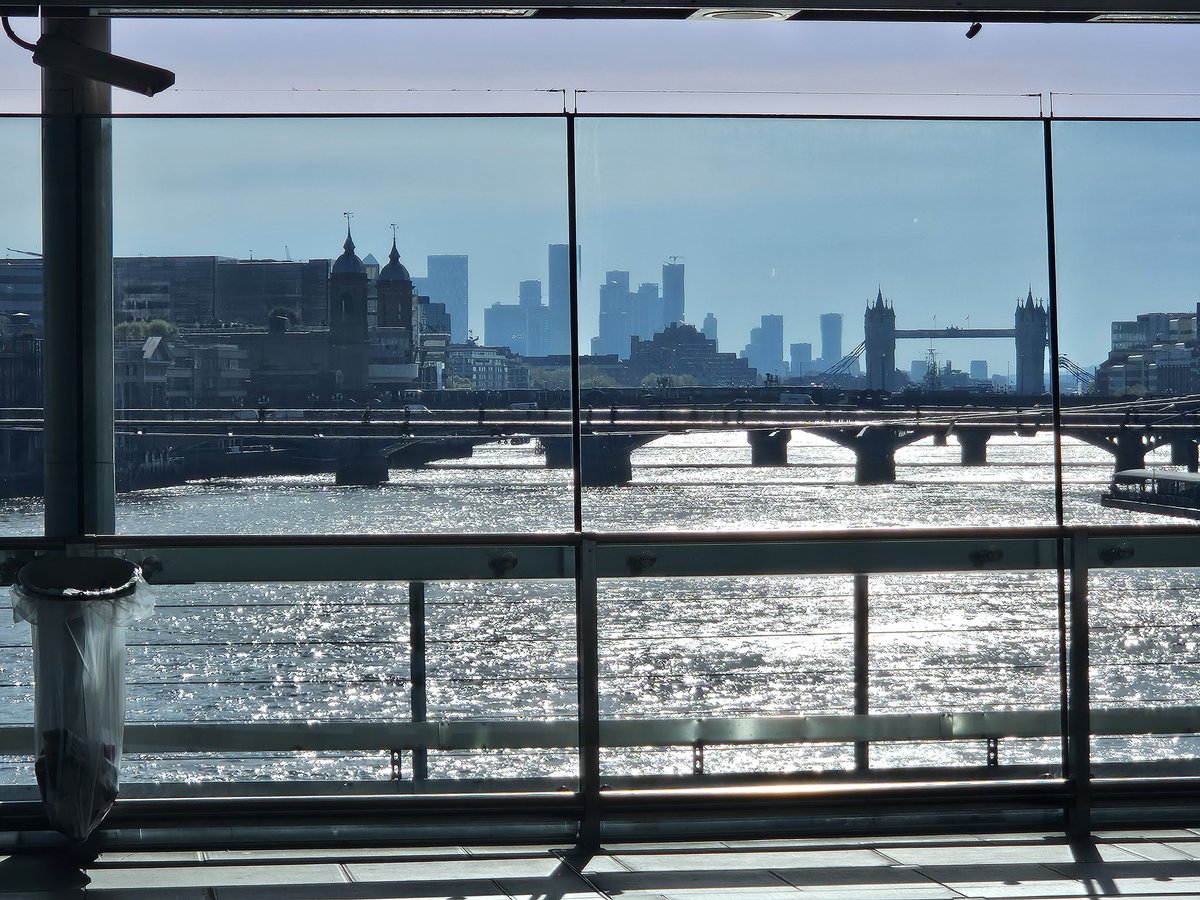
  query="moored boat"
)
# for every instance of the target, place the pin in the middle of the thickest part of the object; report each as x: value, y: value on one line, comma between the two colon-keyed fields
x: 1163, y: 491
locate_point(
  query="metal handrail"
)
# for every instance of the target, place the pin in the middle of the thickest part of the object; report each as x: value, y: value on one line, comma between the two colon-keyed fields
x: 656, y: 733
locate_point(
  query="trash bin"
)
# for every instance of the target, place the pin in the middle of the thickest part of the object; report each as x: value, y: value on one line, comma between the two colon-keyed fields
x: 78, y: 608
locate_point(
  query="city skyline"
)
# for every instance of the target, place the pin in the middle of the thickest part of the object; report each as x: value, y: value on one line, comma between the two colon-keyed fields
x: 1128, y: 239
x: 948, y: 218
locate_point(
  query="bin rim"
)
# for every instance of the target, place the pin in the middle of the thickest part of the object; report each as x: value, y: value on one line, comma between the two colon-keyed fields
x: 48, y: 577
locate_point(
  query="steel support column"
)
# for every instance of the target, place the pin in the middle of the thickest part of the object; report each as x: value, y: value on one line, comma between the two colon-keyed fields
x: 587, y: 637
x: 417, y: 671
x: 77, y: 268
x: 1079, y: 725
x: 862, y: 668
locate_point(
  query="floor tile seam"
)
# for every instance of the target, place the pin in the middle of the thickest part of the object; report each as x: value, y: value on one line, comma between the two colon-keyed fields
x: 920, y: 871
x: 1134, y: 849
x: 1124, y: 867
x: 890, y: 859
x: 781, y: 879
x: 587, y: 880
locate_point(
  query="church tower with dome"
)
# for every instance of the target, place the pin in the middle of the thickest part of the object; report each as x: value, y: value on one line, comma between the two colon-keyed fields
x: 395, y: 293
x: 348, y: 350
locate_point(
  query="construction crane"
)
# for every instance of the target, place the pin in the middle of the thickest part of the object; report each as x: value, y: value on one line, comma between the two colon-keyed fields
x: 23, y: 252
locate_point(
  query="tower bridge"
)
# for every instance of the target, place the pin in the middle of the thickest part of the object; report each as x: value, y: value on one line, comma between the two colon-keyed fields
x: 1030, y: 333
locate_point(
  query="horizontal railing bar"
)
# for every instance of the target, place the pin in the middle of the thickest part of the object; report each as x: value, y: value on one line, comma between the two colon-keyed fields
x: 866, y: 555
x: 558, y: 538
x: 232, y: 559
x: 204, y: 737
x: 409, y: 562
x: 289, y: 558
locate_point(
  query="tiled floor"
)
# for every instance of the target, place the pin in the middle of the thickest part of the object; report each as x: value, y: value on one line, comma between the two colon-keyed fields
x: 1144, y: 865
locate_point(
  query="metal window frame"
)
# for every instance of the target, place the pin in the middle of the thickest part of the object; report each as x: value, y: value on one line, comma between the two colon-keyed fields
x: 77, y: 175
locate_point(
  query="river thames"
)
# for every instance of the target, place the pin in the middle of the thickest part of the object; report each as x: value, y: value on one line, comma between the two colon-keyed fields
x: 771, y: 645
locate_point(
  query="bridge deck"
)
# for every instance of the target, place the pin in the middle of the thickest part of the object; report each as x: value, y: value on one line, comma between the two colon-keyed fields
x: 942, y: 333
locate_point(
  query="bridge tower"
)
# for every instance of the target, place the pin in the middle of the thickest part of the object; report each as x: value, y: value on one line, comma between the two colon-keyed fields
x: 348, y: 320
x: 1031, y: 336
x: 879, y: 329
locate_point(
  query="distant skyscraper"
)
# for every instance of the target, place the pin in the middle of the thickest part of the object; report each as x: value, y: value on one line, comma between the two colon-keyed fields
x: 647, y: 311
x: 765, y: 350
x: 979, y: 370
x: 616, y: 324
x: 559, y: 298
x: 710, y: 327
x: 801, y: 355
x: 831, y: 338
x: 446, y: 283
x: 523, y: 326
x: 504, y: 325
x: 529, y: 293
x: 672, y: 293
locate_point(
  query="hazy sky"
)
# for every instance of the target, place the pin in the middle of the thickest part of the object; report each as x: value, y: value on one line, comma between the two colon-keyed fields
x: 770, y: 216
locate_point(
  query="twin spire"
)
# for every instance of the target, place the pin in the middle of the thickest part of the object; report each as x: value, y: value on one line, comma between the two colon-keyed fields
x: 348, y: 246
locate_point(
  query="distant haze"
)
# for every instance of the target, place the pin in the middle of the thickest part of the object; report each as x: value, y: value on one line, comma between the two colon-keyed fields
x: 794, y: 217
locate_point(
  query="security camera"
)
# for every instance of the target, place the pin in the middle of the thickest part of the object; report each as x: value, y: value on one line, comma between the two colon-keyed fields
x: 54, y: 52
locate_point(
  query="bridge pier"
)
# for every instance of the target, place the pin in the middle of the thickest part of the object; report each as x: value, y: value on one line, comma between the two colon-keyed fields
x: 940, y: 438
x: 874, y: 448
x: 359, y: 464
x: 973, y: 446
x: 1185, y: 452
x: 769, y: 448
x: 1130, y: 448
x: 875, y: 456
x: 607, y: 459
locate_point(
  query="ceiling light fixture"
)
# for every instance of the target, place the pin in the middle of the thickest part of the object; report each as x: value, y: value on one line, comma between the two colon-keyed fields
x: 743, y: 13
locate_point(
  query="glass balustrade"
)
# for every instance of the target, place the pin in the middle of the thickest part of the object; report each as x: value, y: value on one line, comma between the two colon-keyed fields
x: 405, y: 579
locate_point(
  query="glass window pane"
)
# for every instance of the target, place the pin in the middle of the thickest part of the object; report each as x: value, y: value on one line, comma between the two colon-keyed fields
x: 813, y: 323
x: 936, y: 645
x: 1128, y: 247
x: 340, y: 653
x: 21, y: 330
x: 340, y: 324
x: 1143, y: 659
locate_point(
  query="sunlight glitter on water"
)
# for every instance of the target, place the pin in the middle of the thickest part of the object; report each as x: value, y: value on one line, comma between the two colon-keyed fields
x: 669, y: 647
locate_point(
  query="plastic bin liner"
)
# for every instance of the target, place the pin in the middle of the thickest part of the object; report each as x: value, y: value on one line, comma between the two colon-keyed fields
x: 78, y: 608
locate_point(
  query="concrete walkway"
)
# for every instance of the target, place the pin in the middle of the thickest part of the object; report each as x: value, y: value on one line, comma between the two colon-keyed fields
x: 1159, y: 864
